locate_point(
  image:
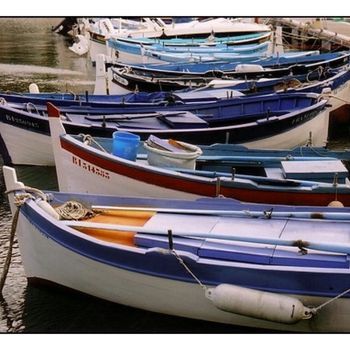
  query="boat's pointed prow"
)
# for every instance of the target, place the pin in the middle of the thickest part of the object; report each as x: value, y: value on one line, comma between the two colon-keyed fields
x: 56, y: 130
x: 11, y: 184
x: 11, y: 181
x: 52, y: 110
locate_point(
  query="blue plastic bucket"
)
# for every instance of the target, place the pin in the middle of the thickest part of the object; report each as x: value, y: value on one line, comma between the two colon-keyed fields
x: 125, y: 145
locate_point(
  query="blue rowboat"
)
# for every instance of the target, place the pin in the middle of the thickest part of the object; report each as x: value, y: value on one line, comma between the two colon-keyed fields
x: 215, y: 90
x: 140, y: 79
x: 288, y: 272
x: 133, y: 52
x: 205, y: 68
x: 267, y: 121
x: 213, y: 41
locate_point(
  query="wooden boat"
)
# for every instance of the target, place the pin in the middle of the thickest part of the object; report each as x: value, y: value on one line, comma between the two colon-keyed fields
x: 266, y: 121
x: 211, y: 40
x: 156, y: 27
x: 280, y: 267
x: 128, y: 79
x: 207, y: 68
x: 336, y: 79
x: 311, y: 82
x: 130, y: 52
x: 177, y: 172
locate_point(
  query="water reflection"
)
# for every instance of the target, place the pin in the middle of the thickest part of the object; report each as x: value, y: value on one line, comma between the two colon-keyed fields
x: 31, y: 52
x: 55, y: 310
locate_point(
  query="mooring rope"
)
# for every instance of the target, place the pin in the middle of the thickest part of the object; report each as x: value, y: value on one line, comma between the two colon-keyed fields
x: 19, y: 201
x: 318, y: 308
x: 89, y: 140
x: 180, y: 260
x: 9, y: 252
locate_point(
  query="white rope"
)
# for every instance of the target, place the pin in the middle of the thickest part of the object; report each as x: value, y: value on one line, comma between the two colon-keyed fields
x: 188, y: 269
x: 337, y: 98
x: 316, y: 309
x: 33, y: 190
x: 73, y: 210
x: 89, y: 140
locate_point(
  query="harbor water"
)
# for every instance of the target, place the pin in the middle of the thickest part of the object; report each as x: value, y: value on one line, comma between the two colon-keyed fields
x: 31, y: 52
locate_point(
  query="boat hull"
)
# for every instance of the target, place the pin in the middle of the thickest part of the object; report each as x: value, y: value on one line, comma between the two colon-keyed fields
x: 147, y: 291
x: 275, y: 134
x: 106, y: 174
x: 25, y: 147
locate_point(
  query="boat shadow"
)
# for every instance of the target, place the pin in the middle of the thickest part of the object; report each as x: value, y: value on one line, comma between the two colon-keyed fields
x: 50, y: 308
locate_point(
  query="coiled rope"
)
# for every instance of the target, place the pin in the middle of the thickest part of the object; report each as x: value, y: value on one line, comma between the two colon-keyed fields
x: 73, y: 210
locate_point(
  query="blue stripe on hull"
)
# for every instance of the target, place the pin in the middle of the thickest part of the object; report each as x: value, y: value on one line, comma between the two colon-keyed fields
x: 317, y: 283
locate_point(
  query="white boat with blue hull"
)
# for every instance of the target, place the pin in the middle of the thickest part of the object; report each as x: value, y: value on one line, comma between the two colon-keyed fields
x: 104, y: 29
x: 130, y: 52
x: 263, y: 270
x: 209, y: 41
x: 222, y: 121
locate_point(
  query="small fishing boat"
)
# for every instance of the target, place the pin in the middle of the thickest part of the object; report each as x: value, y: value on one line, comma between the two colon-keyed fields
x: 210, y: 41
x: 285, y: 60
x: 279, y: 267
x: 104, y: 29
x: 316, y: 82
x: 266, y: 121
x: 168, y: 168
x: 149, y: 79
x: 130, y: 52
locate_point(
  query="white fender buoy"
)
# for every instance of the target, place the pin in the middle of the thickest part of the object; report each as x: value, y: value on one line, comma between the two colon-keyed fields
x: 246, y: 68
x: 258, y: 304
x: 47, y: 208
x: 33, y: 88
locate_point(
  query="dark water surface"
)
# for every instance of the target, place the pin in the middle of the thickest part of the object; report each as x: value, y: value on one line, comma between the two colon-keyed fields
x: 30, y: 52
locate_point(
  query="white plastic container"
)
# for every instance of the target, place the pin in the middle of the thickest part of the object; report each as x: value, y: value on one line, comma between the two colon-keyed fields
x: 182, y: 159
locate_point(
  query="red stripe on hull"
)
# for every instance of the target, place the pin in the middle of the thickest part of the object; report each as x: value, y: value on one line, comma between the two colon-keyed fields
x: 202, y: 188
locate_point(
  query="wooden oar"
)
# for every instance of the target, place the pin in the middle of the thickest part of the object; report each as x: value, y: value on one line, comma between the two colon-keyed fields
x: 132, y: 116
x: 342, y: 248
x: 250, y: 159
x: 268, y: 214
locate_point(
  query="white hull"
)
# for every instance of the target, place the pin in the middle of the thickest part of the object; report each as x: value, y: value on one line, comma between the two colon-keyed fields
x: 40, y: 259
x: 155, y: 29
x: 115, y: 184
x: 26, y: 147
x: 123, y: 185
x: 130, y: 58
x: 317, y: 128
x: 29, y: 148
